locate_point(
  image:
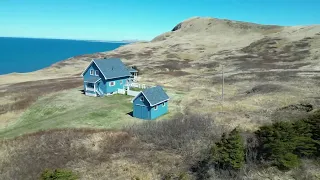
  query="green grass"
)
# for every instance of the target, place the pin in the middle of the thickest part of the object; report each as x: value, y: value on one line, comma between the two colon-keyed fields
x: 71, y: 109
x: 136, y: 89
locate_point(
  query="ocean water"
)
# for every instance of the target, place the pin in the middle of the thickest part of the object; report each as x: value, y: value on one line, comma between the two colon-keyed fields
x: 27, y: 54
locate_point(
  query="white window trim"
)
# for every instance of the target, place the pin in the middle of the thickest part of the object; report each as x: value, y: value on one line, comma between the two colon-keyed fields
x: 96, y: 72
x: 114, y: 83
x: 156, y: 107
x: 91, y: 71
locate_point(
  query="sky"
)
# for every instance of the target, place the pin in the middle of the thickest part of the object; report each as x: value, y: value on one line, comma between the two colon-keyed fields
x: 139, y: 19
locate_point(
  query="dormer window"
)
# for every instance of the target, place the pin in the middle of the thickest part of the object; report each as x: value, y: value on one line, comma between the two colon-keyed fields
x: 91, y: 72
x: 142, y: 98
x: 97, y: 73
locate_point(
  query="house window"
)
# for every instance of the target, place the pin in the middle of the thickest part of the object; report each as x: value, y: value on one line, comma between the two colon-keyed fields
x: 121, y: 81
x: 97, y: 73
x: 142, y: 98
x: 163, y: 104
x: 91, y: 72
x: 90, y: 85
x: 155, y: 107
x: 112, y: 83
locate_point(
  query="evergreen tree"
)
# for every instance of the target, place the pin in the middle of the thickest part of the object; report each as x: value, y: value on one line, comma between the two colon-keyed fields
x: 228, y: 153
x: 287, y: 161
x: 314, y: 122
x: 305, y: 146
x: 285, y: 142
x: 236, y: 149
x: 278, y: 143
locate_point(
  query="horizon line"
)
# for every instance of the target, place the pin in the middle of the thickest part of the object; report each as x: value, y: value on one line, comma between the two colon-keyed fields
x: 89, y: 40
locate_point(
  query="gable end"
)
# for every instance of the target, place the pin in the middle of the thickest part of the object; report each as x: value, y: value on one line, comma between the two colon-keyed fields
x: 92, y: 62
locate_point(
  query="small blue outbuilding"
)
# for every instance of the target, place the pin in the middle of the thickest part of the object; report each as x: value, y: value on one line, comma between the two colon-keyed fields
x: 150, y: 103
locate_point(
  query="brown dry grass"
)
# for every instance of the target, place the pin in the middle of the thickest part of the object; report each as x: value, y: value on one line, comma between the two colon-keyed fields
x: 147, y: 151
x: 25, y: 93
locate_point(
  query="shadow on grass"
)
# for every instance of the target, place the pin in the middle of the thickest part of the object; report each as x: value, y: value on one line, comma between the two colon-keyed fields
x: 130, y: 113
x: 82, y: 91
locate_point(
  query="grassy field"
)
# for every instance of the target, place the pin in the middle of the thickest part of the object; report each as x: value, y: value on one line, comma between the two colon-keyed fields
x: 136, y: 89
x: 72, y: 109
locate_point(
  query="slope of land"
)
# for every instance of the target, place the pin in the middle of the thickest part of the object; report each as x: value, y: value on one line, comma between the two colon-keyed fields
x: 189, y: 58
x: 271, y: 73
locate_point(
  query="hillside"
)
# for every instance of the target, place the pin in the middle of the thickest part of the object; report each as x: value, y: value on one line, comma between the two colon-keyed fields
x: 271, y: 73
x: 189, y: 58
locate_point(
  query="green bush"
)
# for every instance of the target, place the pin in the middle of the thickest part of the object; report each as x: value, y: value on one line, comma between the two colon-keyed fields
x: 180, y: 176
x: 314, y: 122
x: 58, y: 174
x: 284, y: 143
x: 229, y: 152
x: 288, y: 161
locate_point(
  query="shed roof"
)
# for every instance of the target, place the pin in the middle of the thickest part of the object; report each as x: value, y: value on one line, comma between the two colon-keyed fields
x: 111, y: 68
x: 155, y: 95
x: 92, y: 79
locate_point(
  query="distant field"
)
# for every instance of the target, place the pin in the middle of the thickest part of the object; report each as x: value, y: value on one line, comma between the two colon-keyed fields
x: 72, y: 109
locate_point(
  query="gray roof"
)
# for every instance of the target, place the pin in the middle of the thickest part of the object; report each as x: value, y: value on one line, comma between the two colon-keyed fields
x: 92, y: 79
x: 155, y: 95
x: 130, y: 69
x: 112, y: 68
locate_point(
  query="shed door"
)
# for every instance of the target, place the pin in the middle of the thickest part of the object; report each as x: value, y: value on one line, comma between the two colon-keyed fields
x: 144, y: 112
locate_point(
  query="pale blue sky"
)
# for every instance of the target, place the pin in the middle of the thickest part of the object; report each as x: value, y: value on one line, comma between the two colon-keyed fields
x: 139, y: 19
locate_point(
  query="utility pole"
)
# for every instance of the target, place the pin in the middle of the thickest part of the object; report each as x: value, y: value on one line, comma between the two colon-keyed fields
x: 222, y: 93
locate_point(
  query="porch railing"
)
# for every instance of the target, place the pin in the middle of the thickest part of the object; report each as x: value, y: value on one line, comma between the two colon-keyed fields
x: 137, y: 85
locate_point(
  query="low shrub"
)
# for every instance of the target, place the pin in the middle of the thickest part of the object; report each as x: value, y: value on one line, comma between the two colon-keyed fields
x: 58, y: 174
x: 179, y: 132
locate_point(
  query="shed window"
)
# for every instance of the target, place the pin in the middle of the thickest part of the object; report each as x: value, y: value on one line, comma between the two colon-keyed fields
x: 90, y: 85
x: 142, y: 98
x: 112, y: 83
x: 163, y: 104
x: 155, y: 107
x: 97, y: 73
x: 91, y: 72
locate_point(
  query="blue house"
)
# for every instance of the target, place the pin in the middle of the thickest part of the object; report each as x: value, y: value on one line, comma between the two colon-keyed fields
x: 150, y: 103
x: 105, y: 76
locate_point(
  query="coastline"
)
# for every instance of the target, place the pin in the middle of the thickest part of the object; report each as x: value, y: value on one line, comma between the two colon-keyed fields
x: 86, y: 40
x: 25, y: 55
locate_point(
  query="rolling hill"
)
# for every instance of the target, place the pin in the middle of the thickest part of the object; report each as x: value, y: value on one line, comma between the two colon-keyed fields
x: 272, y: 73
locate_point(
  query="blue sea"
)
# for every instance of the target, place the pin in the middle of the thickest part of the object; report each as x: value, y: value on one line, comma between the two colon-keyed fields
x: 28, y: 54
